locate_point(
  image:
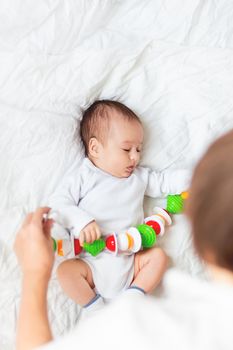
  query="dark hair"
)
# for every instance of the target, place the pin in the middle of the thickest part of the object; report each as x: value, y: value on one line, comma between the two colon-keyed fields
x: 96, y: 120
x: 210, y: 203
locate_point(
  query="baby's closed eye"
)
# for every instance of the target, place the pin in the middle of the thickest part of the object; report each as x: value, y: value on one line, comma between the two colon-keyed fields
x: 128, y: 150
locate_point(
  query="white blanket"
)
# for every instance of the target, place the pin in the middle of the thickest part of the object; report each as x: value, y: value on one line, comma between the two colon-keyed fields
x: 170, y: 61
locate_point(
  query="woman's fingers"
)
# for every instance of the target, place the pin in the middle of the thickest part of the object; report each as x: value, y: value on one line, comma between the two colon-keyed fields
x: 38, y: 215
x: 47, y: 226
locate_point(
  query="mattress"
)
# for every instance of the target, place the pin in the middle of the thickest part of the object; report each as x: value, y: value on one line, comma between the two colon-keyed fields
x: 170, y: 61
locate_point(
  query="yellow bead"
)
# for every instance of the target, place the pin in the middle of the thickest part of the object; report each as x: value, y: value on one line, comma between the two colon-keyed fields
x: 184, y: 195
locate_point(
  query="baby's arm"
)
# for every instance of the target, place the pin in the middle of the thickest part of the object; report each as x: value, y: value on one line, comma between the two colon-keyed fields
x: 64, y: 207
x: 167, y: 182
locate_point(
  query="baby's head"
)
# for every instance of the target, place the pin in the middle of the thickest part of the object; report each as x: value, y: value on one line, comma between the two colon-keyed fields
x: 112, y: 135
x: 210, y: 204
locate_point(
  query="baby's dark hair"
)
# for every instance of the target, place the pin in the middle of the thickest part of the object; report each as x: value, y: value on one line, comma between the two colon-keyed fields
x: 210, y: 204
x: 96, y: 120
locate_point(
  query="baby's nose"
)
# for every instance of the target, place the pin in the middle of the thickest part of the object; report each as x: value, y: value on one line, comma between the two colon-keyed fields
x: 134, y: 155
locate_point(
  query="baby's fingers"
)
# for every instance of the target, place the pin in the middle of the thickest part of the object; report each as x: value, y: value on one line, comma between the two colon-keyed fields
x: 98, y: 233
x: 81, y: 238
x: 87, y: 236
x: 93, y: 235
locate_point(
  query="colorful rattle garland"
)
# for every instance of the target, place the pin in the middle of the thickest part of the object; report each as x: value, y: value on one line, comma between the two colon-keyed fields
x: 144, y: 236
x: 131, y: 241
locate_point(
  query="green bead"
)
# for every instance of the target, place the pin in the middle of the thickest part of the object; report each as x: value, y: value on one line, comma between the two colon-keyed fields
x: 54, y: 245
x: 95, y: 247
x: 148, y: 235
x: 175, y: 204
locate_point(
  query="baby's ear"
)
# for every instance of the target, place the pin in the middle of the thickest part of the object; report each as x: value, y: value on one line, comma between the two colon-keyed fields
x: 94, y: 147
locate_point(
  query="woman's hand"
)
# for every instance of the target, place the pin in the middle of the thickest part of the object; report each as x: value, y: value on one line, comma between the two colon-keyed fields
x: 33, y: 245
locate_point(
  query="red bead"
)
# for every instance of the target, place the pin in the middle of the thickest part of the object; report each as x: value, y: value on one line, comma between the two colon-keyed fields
x: 155, y: 225
x: 77, y: 246
x: 110, y: 243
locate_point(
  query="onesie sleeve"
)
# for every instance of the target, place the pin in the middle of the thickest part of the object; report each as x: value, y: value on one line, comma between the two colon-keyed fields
x: 167, y: 182
x: 64, y: 207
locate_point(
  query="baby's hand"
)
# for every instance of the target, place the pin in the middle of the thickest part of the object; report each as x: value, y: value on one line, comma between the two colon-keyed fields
x: 89, y: 233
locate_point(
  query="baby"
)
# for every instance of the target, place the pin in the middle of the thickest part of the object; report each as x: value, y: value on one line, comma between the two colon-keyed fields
x: 106, y: 195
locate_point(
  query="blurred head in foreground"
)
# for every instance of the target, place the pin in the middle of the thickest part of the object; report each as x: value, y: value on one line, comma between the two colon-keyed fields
x: 210, y: 205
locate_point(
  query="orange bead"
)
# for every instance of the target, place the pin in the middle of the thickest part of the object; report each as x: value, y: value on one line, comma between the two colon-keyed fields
x: 184, y: 195
x: 59, y: 248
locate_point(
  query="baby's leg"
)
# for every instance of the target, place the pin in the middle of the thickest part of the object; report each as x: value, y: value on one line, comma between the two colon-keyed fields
x: 75, y: 277
x: 149, y: 267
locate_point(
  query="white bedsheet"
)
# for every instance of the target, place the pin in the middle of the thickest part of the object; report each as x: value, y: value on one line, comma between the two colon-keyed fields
x: 170, y: 61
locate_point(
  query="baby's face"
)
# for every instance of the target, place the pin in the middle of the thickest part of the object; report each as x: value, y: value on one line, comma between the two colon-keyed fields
x: 121, y: 151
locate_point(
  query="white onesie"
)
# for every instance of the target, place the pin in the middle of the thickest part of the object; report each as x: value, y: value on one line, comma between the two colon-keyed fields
x: 115, y: 204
